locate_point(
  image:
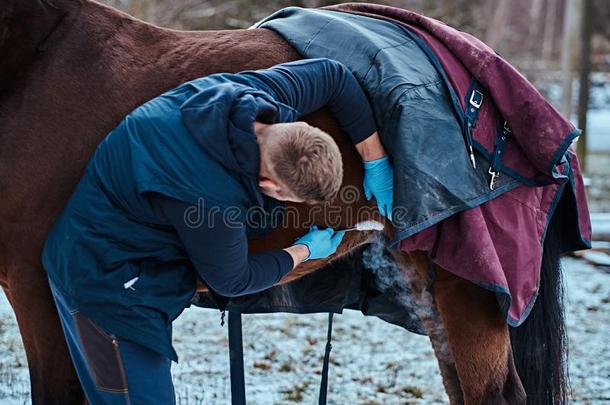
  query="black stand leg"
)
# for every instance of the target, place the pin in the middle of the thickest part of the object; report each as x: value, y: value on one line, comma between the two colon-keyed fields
x: 236, y: 359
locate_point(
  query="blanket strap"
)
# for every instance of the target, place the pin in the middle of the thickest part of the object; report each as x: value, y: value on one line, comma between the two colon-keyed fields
x: 474, y: 101
x: 236, y: 360
x: 324, y: 382
x: 496, y: 161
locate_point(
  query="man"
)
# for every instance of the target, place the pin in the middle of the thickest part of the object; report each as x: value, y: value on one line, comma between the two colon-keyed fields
x: 124, y: 255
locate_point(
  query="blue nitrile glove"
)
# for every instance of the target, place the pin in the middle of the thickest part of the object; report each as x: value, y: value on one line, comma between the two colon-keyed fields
x: 321, y: 243
x: 379, y: 182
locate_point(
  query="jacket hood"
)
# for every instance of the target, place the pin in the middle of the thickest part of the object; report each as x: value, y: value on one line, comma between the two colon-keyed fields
x: 221, y: 118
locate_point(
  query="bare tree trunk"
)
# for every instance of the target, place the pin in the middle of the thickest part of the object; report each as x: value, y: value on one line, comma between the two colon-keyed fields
x: 549, y: 30
x: 569, y: 52
x: 498, y: 22
x: 535, y: 24
x: 585, y: 69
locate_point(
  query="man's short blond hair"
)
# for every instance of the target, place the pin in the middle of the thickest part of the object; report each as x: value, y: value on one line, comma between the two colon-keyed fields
x: 306, y: 160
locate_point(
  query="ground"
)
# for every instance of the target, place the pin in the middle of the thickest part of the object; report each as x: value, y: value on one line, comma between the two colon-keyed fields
x: 372, y: 362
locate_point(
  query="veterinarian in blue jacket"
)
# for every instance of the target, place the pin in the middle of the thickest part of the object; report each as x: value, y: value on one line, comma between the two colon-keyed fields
x: 165, y: 199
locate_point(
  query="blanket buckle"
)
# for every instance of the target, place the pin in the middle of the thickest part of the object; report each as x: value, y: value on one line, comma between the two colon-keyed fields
x: 476, y: 99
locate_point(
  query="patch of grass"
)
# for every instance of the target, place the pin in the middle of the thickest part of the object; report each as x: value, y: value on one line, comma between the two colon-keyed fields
x: 311, y: 340
x: 413, y: 391
x: 392, y: 366
x: 271, y: 355
x: 263, y: 365
x: 367, y: 380
x: 295, y: 394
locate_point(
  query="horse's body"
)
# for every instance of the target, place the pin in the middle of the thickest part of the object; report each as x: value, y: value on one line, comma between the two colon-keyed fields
x: 69, y: 72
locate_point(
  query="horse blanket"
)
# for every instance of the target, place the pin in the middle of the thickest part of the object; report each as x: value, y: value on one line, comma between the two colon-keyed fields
x: 435, y: 92
x: 481, y: 160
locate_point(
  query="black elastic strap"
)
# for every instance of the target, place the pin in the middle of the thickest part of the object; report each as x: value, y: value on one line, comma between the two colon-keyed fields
x: 496, y: 161
x: 473, y: 103
x: 502, y: 137
x: 236, y: 360
x: 324, y: 381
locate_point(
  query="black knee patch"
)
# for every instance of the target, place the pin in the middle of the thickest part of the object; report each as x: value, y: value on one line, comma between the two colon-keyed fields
x: 103, y: 355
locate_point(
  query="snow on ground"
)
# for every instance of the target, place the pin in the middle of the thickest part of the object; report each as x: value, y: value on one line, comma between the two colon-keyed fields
x: 14, y: 378
x: 598, y: 173
x: 372, y: 362
x: 588, y: 323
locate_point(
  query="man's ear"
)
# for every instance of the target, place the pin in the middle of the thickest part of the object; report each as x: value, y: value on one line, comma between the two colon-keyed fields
x: 268, y: 184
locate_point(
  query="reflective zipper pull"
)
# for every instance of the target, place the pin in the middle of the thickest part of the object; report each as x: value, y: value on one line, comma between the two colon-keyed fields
x: 129, y: 284
x: 472, y: 160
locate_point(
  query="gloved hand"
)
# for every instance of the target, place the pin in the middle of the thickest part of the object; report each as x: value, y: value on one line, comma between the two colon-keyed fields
x: 321, y: 243
x: 379, y: 182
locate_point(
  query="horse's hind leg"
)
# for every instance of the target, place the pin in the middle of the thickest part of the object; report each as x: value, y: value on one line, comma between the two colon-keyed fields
x: 414, y: 267
x: 52, y: 376
x: 479, y: 341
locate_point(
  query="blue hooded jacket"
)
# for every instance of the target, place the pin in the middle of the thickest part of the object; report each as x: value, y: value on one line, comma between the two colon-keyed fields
x: 194, y: 143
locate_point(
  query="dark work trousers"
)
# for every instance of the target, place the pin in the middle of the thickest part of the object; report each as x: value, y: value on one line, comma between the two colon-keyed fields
x: 113, y: 370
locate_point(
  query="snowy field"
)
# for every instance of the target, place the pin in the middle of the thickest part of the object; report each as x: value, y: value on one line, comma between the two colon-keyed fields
x: 372, y: 362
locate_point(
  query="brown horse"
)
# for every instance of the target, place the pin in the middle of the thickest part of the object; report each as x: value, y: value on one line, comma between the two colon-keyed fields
x: 71, y: 69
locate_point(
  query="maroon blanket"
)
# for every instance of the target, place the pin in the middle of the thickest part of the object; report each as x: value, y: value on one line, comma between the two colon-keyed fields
x: 498, y: 244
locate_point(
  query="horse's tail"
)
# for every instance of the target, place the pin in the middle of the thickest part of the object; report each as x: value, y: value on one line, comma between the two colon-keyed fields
x: 540, y: 343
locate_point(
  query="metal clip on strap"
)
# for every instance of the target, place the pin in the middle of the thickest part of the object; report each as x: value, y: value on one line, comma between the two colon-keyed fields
x: 494, y: 178
x: 501, y: 140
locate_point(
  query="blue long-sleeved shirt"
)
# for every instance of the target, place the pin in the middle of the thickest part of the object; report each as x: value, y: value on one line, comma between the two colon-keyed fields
x: 305, y: 85
x: 310, y: 84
